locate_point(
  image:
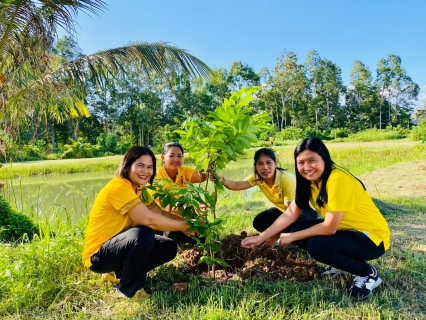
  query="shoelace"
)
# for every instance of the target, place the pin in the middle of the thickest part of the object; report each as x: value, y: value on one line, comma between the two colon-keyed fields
x: 360, y: 281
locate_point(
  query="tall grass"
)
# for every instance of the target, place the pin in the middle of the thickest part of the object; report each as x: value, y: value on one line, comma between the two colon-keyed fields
x: 44, y: 278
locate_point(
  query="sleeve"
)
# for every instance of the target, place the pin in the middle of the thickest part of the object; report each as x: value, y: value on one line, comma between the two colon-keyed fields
x: 251, y: 179
x: 123, y: 198
x: 187, y: 176
x: 289, y: 186
x: 340, y: 192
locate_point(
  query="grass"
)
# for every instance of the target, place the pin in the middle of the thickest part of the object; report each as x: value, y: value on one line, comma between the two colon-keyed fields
x: 45, y: 279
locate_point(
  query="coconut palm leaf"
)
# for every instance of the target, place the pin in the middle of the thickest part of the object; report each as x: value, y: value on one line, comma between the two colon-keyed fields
x: 158, y: 57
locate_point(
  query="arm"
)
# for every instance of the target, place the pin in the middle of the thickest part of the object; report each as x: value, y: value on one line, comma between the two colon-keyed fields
x: 143, y: 216
x: 328, y: 227
x: 230, y: 184
x: 166, y: 213
x: 199, y: 176
x: 284, y: 220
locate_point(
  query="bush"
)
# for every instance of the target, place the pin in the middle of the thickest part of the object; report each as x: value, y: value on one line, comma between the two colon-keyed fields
x: 78, y: 149
x: 291, y: 133
x: 419, y: 133
x: 14, y: 225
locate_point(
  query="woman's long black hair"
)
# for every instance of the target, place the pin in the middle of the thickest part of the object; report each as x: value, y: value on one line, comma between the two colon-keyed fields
x: 303, y: 186
x: 131, y: 156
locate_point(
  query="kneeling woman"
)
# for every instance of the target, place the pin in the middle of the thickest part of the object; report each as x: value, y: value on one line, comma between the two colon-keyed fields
x: 120, y: 236
x: 352, y: 229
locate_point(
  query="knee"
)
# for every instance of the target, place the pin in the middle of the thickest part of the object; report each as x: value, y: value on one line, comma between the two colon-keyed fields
x: 142, y: 235
x: 316, y: 248
x: 258, y: 224
x: 169, y: 249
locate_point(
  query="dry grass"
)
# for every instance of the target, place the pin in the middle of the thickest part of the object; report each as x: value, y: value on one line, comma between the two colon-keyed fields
x: 406, y: 182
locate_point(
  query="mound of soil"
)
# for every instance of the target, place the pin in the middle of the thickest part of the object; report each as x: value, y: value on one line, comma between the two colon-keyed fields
x: 278, y: 263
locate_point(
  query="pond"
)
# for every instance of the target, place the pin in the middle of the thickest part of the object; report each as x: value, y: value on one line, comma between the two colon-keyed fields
x: 71, y: 196
x: 68, y: 194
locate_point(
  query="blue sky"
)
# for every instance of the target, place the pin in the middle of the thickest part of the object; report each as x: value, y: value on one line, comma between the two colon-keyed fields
x: 223, y: 31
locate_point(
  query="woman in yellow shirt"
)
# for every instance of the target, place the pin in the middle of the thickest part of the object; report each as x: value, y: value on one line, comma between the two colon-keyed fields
x: 174, y: 170
x: 120, y: 236
x: 352, y: 229
x: 278, y: 185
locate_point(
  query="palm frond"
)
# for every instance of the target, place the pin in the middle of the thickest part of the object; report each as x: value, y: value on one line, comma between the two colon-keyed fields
x: 158, y: 57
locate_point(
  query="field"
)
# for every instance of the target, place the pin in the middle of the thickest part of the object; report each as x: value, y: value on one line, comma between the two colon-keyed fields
x: 45, y: 279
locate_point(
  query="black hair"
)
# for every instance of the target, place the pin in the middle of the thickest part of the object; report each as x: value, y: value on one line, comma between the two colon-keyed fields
x: 303, y: 186
x: 130, y: 157
x: 268, y: 152
x: 169, y: 145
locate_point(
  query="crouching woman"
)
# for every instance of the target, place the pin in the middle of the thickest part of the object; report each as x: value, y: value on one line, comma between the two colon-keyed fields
x: 352, y: 229
x: 120, y: 236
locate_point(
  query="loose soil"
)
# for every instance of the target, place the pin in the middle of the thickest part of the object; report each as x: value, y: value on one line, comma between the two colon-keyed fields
x: 269, y: 264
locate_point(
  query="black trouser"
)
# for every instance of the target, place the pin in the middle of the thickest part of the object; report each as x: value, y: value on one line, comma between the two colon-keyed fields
x: 131, y: 254
x: 266, y: 218
x: 347, y: 250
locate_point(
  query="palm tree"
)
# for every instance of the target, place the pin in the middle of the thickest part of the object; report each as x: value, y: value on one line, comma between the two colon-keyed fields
x: 27, y: 33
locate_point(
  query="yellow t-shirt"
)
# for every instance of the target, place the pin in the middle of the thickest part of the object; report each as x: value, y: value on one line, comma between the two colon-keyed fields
x: 284, y: 188
x: 184, y: 174
x: 108, y: 215
x: 346, y: 194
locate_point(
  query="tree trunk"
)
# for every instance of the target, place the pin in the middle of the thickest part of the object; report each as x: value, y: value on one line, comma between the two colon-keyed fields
x: 52, y: 136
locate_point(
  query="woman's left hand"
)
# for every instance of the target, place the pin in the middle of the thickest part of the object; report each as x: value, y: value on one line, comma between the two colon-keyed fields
x: 286, y: 238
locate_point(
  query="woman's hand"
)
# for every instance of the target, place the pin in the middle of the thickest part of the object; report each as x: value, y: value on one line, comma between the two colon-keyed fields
x: 269, y: 243
x: 251, y: 242
x: 286, y: 238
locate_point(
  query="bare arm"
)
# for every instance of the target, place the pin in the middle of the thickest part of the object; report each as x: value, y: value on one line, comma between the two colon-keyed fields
x: 143, y: 216
x: 283, y: 221
x: 328, y: 227
x: 199, y: 176
x: 166, y: 213
x: 230, y: 184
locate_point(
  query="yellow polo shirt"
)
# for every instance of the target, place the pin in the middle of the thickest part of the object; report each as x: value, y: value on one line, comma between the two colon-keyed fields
x: 346, y: 194
x: 284, y: 188
x: 184, y: 174
x: 108, y: 214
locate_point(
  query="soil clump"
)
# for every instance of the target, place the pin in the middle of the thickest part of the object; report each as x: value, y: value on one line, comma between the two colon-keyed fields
x: 268, y: 264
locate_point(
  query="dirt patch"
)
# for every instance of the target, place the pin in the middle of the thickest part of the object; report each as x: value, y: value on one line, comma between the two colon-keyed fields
x: 278, y: 263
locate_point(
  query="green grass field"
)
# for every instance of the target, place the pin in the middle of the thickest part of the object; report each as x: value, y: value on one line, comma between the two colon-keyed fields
x: 45, y: 279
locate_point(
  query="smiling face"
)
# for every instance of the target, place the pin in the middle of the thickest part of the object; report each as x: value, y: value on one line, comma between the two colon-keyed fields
x: 310, y: 165
x: 172, y: 159
x: 265, y: 168
x: 141, y: 171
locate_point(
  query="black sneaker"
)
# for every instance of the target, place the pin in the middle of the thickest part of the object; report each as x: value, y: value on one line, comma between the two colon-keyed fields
x: 363, y: 286
x: 329, y: 271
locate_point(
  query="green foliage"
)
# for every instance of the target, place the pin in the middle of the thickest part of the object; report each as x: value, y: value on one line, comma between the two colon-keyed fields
x: 224, y: 135
x: 14, y: 225
x: 418, y: 133
x: 78, y: 149
x: 197, y: 206
x: 291, y: 133
x: 377, y: 135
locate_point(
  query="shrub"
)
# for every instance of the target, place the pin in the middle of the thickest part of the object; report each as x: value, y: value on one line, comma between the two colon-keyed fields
x: 14, y: 225
x: 78, y: 149
x: 419, y: 133
x: 291, y: 133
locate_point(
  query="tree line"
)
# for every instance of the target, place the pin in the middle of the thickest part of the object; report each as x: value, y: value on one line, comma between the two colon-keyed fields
x: 115, y: 98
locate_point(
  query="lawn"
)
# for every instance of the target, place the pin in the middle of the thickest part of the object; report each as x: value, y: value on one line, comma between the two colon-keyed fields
x: 45, y: 279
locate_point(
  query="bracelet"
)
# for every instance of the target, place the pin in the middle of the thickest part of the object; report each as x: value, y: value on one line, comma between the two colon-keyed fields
x: 222, y: 181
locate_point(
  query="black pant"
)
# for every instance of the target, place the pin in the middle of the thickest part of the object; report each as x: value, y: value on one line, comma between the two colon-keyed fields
x: 131, y: 254
x: 266, y: 218
x: 347, y: 250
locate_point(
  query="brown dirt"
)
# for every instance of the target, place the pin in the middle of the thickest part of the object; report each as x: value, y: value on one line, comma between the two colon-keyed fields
x: 279, y: 263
